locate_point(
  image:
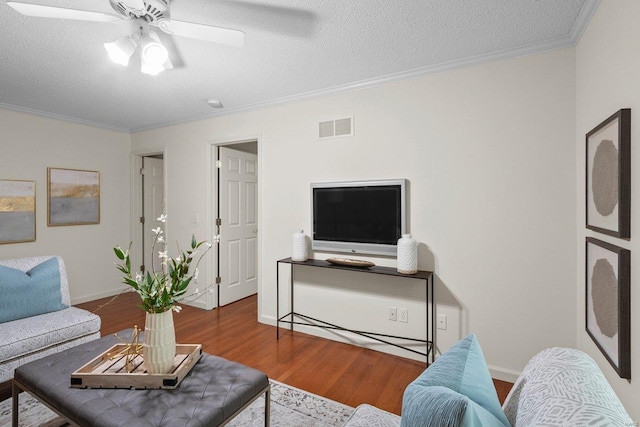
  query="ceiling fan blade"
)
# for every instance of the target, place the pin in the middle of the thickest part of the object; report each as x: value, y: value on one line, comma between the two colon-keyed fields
x: 202, y: 32
x: 135, y: 5
x: 40, y: 11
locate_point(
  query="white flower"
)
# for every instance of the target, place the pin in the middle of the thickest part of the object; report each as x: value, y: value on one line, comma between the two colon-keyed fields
x: 216, y: 239
x: 157, y: 230
x: 138, y: 277
x: 178, y: 259
x: 162, y: 218
x: 163, y: 255
x: 160, y: 239
x: 211, y: 290
x: 176, y: 308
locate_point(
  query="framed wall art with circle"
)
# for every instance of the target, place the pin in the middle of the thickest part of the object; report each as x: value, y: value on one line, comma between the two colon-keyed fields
x: 608, y: 302
x: 608, y: 172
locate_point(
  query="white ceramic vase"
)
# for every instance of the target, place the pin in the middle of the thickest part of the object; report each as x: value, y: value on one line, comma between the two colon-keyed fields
x: 299, y: 247
x: 159, y: 348
x: 407, y: 255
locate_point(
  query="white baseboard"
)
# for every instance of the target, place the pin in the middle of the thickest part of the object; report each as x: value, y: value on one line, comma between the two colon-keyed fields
x: 105, y: 294
x: 496, y: 372
x: 198, y: 304
x: 348, y: 338
x: 504, y: 374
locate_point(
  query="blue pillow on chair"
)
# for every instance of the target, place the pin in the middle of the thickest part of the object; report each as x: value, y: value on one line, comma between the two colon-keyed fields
x: 456, y: 390
x: 28, y: 294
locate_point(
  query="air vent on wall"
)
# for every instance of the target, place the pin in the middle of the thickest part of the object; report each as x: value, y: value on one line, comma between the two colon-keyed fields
x: 336, y: 128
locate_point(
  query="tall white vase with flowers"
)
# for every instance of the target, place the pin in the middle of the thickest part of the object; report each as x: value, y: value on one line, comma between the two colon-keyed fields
x: 160, y: 292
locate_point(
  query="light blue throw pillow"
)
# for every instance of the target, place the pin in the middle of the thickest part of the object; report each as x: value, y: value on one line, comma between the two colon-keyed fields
x: 456, y: 390
x: 28, y: 294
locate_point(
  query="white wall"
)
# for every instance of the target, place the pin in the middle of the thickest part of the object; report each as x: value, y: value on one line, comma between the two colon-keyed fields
x: 608, y: 66
x: 30, y: 144
x: 489, y: 155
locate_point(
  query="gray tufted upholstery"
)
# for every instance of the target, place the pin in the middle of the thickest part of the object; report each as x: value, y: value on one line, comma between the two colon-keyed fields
x: 213, y: 391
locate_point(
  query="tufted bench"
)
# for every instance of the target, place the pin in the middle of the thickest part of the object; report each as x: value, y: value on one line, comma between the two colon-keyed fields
x: 214, y: 392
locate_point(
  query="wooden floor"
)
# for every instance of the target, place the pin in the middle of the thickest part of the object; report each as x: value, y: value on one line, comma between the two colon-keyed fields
x: 342, y: 372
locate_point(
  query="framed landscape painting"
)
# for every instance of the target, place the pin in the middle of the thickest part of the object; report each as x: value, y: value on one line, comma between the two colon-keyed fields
x: 608, y: 172
x: 608, y: 302
x: 17, y: 211
x: 73, y: 197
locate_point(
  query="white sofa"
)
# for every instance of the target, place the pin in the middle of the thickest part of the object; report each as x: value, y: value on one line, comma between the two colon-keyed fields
x: 558, y: 387
x: 57, y: 328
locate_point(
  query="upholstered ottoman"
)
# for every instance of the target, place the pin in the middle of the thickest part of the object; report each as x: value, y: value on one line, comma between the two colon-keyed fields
x: 211, y: 394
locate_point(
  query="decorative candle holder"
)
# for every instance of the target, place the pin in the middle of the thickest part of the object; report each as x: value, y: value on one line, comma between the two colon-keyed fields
x: 407, y: 255
x: 299, y: 247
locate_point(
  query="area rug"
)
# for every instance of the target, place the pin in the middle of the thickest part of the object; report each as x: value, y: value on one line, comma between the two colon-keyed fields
x: 290, y: 407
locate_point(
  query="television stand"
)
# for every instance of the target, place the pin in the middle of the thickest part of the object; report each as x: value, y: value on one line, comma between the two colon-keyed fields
x: 291, y: 316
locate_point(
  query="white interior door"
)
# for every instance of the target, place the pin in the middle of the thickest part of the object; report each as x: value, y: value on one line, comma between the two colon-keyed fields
x: 153, y: 207
x: 238, y: 206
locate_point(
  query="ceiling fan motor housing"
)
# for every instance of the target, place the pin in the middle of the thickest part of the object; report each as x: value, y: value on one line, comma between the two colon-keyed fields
x: 155, y: 10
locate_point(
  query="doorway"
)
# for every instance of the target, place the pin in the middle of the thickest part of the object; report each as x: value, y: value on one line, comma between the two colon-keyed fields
x: 148, y: 200
x: 237, y: 220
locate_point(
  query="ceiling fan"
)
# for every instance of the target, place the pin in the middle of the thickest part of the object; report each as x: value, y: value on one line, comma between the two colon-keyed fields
x: 145, y: 13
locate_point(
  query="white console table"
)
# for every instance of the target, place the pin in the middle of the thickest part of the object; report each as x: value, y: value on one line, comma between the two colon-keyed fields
x: 291, y: 316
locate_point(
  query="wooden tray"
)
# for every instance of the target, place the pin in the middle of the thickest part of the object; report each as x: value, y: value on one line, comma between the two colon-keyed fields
x: 110, y: 372
x: 350, y: 262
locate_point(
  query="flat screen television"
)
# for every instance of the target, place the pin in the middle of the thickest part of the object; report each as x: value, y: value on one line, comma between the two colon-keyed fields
x: 358, y: 217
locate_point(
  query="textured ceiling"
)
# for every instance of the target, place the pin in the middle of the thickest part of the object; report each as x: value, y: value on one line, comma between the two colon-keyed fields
x: 293, y: 49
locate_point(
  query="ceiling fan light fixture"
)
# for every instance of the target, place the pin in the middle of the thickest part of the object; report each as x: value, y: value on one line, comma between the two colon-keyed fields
x: 153, y: 70
x: 121, y: 50
x: 152, y: 51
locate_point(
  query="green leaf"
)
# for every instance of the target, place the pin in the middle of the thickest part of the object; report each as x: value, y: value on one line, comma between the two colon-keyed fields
x: 131, y: 282
x: 119, y: 253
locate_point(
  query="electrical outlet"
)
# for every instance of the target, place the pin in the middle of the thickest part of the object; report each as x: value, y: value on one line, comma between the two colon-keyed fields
x: 442, y: 321
x: 403, y: 315
x: 393, y: 314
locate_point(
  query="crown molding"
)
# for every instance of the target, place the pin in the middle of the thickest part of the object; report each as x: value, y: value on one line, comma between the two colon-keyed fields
x: 531, y: 49
x: 61, y: 117
x: 582, y: 21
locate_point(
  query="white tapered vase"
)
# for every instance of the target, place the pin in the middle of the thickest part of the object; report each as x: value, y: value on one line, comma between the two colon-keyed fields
x: 159, y: 348
x: 407, y: 255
